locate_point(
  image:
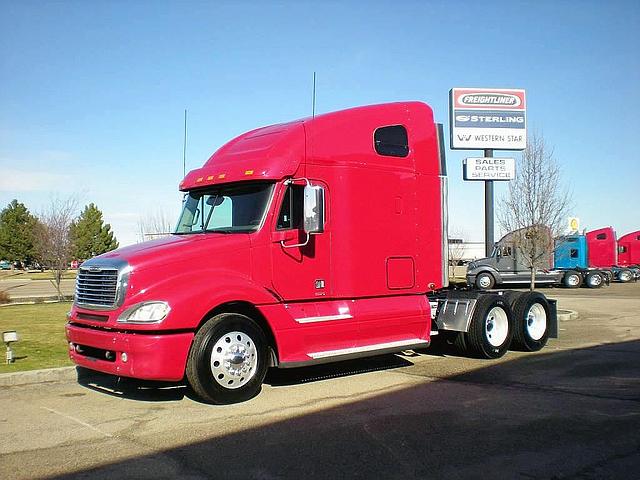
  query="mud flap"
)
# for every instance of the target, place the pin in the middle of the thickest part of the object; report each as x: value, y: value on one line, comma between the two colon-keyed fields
x: 553, y: 321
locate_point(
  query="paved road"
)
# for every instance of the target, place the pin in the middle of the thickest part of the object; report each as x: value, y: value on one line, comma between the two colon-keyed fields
x: 570, y: 411
x: 26, y: 288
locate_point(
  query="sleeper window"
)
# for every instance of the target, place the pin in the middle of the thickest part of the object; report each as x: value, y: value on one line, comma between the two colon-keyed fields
x: 392, y: 141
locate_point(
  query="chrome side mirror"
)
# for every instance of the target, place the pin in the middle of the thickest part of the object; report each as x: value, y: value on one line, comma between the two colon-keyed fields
x: 313, y: 209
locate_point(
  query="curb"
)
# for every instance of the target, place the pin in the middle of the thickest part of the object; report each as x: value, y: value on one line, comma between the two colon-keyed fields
x: 36, y: 300
x: 29, y: 377
x: 566, y: 315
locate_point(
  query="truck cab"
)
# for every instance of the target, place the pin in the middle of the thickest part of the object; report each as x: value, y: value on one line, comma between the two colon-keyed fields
x: 629, y: 249
x: 317, y: 239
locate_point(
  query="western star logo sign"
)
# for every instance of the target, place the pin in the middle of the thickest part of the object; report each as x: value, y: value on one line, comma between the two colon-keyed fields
x: 484, y: 118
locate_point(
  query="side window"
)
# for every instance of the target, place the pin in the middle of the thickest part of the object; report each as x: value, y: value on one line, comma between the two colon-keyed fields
x: 574, y: 253
x: 291, y: 210
x: 506, y: 252
x: 601, y: 236
x: 392, y: 141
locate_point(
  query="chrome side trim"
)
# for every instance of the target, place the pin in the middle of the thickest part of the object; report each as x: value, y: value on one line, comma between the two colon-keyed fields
x: 444, y: 205
x: 368, y: 348
x: 325, y: 318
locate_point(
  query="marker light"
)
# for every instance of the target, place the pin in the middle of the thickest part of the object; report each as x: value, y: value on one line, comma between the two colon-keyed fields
x: 145, y: 312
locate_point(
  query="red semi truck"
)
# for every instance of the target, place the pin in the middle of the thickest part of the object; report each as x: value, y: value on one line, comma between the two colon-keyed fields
x: 629, y: 250
x: 312, y: 241
x: 604, y: 253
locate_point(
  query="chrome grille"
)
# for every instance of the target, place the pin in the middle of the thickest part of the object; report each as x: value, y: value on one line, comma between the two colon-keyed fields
x: 97, y: 287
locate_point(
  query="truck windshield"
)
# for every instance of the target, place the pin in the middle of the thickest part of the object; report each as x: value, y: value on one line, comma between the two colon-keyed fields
x: 225, y: 209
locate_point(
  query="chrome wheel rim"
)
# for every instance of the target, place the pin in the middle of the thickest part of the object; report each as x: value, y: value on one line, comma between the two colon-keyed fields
x: 625, y: 276
x: 234, y: 359
x: 536, y: 321
x: 573, y: 280
x: 496, y: 326
x: 595, y: 280
x: 484, y: 281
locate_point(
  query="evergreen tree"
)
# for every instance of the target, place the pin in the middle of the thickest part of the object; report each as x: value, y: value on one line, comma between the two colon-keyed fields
x: 90, y: 235
x: 17, y: 227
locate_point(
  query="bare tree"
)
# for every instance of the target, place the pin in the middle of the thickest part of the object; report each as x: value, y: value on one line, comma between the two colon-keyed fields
x: 52, y: 237
x: 536, y: 205
x: 154, y: 225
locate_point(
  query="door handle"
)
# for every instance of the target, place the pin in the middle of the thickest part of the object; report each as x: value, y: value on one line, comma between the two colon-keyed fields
x: 280, y: 236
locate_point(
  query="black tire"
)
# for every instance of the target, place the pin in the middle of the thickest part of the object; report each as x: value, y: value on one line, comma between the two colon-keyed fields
x: 490, y: 331
x: 240, y: 378
x: 460, y: 343
x: 511, y: 296
x: 625, y: 275
x: 485, y: 281
x: 594, y: 280
x: 531, y: 316
x: 572, y: 279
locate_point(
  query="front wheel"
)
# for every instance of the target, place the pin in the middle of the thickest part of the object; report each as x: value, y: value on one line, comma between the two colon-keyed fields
x: 572, y: 279
x: 485, y: 281
x: 228, y: 359
x: 531, y: 322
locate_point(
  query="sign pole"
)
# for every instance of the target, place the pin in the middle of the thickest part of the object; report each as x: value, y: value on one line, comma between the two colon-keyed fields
x: 488, y: 210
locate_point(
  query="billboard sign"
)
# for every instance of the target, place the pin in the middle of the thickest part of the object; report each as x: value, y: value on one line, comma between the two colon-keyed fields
x: 489, y: 169
x: 488, y: 118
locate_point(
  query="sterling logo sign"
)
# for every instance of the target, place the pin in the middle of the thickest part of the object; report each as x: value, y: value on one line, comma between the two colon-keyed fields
x: 484, y: 118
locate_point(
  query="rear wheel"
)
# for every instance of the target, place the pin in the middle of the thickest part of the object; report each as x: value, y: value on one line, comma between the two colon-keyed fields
x: 625, y: 276
x: 485, y: 281
x: 491, y: 328
x: 572, y: 279
x: 594, y: 280
x: 531, y: 322
x: 228, y: 359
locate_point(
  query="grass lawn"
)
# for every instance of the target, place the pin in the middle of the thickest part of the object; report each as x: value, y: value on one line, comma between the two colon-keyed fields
x: 42, y: 342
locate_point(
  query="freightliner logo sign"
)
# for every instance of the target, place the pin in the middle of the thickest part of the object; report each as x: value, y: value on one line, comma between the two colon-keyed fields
x: 488, y: 118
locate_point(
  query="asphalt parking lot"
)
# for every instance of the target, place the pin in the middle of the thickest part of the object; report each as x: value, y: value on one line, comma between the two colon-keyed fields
x: 569, y: 411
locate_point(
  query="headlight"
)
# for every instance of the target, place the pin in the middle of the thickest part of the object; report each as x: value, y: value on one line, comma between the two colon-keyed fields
x: 145, y: 312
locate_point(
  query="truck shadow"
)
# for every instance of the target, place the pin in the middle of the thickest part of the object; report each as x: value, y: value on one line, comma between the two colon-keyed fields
x: 572, y: 413
x: 153, y: 391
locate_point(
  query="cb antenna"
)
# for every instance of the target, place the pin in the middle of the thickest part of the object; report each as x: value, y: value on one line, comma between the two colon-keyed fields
x: 184, y: 146
x: 313, y: 104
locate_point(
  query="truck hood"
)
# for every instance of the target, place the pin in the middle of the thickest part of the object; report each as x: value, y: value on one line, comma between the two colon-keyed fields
x: 484, y: 261
x: 204, y: 249
x: 481, y: 262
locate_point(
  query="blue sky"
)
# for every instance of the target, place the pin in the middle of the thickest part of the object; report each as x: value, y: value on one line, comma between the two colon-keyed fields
x: 92, y: 94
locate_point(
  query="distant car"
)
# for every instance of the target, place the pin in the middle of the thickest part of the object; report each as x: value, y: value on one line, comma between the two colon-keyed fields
x: 4, y: 265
